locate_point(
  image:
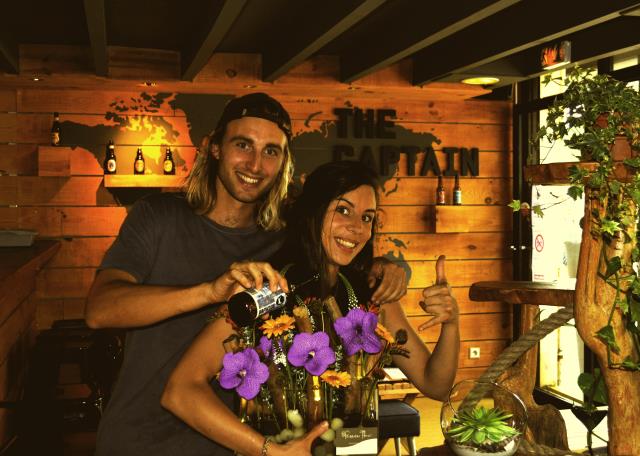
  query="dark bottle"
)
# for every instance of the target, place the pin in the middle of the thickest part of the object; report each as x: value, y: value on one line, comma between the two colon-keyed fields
x: 457, y: 192
x: 440, y: 196
x: 245, y: 307
x: 110, y: 164
x: 168, y: 165
x: 138, y: 164
x: 248, y: 305
x: 55, y: 130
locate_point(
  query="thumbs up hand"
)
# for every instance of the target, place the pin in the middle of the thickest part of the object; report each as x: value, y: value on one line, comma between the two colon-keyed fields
x: 438, y: 300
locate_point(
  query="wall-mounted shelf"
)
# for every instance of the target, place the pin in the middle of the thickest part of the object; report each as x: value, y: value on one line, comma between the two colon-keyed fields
x: 145, y: 180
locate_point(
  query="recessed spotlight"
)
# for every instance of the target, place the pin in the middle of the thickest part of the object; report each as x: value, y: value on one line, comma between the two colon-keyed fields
x: 484, y: 80
x: 149, y: 84
x: 249, y: 86
x: 36, y: 78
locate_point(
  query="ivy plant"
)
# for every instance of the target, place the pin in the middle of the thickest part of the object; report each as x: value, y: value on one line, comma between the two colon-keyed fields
x: 594, y: 111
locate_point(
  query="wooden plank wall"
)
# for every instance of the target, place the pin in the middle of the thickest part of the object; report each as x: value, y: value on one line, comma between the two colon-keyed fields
x: 79, y: 211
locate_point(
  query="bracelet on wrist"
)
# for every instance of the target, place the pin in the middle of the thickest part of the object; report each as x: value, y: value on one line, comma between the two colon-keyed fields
x: 265, y: 446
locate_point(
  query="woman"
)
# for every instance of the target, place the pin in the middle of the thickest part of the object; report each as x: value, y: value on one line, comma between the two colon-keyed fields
x: 330, y: 232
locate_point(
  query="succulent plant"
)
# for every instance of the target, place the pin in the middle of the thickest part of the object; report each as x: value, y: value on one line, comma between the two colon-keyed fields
x: 481, y: 426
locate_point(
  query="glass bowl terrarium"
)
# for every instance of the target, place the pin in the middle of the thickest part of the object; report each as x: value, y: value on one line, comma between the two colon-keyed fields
x: 483, y: 419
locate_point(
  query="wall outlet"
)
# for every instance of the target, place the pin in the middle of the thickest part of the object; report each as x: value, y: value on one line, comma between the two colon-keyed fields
x: 474, y: 352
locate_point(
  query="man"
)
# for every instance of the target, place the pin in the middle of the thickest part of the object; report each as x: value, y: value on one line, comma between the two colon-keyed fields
x: 176, y: 255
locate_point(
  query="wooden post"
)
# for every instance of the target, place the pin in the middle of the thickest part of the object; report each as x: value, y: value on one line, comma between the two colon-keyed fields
x: 594, y: 299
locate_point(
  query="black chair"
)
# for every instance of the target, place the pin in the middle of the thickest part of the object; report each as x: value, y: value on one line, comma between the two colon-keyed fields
x: 397, y: 419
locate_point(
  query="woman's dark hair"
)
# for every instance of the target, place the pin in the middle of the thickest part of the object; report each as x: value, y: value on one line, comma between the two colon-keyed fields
x: 303, y: 244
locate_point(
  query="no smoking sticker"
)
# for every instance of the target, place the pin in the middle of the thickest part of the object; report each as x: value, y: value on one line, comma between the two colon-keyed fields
x: 539, y: 243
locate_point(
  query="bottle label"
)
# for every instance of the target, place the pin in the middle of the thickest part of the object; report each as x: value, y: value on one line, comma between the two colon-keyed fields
x: 440, y: 198
x: 111, y: 165
x: 139, y: 166
x: 457, y: 197
x: 267, y: 300
x: 168, y: 166
x: 55, y: 138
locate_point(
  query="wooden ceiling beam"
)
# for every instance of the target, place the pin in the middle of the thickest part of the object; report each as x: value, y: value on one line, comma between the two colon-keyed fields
x: 295, y: 51
x: 191, y: 65
x: 97, y: 28
x: 504, y: 34
x: 389, y: 45
x: 8, y: 52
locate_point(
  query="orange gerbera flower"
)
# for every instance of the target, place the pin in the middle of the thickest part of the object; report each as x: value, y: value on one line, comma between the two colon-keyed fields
x: 384, y: 333
x: 278, y: 326
x: 336, y: 379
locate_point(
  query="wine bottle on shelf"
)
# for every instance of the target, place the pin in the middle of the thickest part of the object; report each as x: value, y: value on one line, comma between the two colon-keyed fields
x: 138, y: 164
x: 248, y: 305
x: 457, y: 192
x: 168, y: 165
x: 55, y: 130
x: 440, y: 195
x: 110, y: 164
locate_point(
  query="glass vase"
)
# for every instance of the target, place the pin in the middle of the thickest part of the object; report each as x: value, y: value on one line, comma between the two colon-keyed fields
x: 483, y: 419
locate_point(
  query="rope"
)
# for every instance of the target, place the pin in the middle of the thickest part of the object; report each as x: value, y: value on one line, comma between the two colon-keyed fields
x: 511, y: 355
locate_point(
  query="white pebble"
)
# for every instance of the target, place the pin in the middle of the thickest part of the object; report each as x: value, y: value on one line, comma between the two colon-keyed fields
x: 329, y: 435
x: 295, y: 418
x: 337, y: 424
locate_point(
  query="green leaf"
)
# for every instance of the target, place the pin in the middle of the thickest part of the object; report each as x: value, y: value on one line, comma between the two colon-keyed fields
x: 614, y: 264
x: 622, y: 304
x: 575, y: 192
x: 614, y: 187
x: 606, y: 335
x: 537, y: 209
x: 634, y: 309
x: 577, y: 174
x: 630, y: 364
x: 586, y: 381
x: 633, y: 162
x: 515, y: 205
x: 479, y: 436
x: 609, y: 226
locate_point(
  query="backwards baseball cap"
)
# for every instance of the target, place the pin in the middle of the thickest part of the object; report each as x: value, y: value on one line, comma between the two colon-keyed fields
x: 256, y: 105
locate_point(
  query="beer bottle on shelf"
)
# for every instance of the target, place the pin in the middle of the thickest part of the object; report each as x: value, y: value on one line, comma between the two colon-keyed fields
x: 55, y: 130
x: 440, y: 196
x: 138, y: 164
x: 168, y: 165
x: 110, y: 159
x: 457, y: 192
x: 248, y: 305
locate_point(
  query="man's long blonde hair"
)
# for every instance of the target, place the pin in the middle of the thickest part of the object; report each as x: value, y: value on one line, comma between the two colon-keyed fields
x: 200, y: 187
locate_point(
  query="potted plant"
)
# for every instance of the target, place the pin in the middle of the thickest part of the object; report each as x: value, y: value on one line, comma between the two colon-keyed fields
x: 600, y: 118
x: 482, y: 419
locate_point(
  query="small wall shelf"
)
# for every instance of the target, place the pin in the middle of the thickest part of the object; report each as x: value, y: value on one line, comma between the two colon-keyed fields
x: 145, y: 180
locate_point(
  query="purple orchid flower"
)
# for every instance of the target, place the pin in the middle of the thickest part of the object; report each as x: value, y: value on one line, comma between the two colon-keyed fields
x: 265, y: 345
x: 358, y: 331
x: 244, y: 372
x: 311, y: 351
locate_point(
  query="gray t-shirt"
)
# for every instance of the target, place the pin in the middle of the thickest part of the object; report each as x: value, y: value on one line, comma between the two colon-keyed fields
x: 162, y: 242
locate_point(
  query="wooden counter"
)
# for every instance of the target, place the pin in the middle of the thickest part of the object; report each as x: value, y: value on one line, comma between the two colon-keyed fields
x: 18, y: 269
x: 522, y: 292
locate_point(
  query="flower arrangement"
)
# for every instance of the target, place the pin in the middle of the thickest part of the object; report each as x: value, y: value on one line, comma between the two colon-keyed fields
x: 310, y: 364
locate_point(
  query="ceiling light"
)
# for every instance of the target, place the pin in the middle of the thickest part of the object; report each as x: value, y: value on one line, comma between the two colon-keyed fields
x: 249, y: 86
x: 35, y: 78
x: 481, y: 80
x: 149, y: 84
